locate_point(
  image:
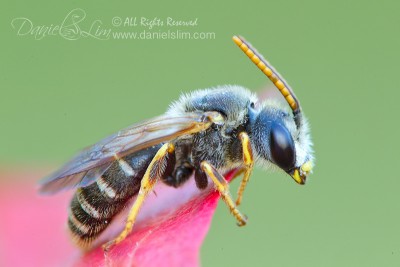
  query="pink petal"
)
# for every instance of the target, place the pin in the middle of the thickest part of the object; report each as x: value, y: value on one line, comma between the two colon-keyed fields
x: 33, y: 229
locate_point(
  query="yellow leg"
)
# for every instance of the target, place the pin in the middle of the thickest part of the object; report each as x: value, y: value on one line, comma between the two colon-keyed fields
x: 223, y: 188
x: 248, y: 164
x: 151, y: 176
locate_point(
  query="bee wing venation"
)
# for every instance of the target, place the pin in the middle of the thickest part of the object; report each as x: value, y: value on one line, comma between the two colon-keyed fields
x: 92, y: 162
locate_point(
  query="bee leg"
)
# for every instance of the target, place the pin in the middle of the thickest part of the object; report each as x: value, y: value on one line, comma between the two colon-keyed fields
x: 248, y: 164
x: 223, y: 188
x: 162, y: 163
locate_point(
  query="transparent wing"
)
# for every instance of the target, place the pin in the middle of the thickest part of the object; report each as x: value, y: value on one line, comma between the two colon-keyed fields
x: 93, y: 161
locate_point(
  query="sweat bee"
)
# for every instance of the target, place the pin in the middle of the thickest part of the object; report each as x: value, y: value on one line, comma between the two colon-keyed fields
x: 205, y: 133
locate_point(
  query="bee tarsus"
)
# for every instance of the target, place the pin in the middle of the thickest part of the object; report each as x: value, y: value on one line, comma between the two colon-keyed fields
x: 222, y: 186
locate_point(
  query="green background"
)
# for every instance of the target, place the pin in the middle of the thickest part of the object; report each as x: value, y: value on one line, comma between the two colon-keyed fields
x: 341, y: 57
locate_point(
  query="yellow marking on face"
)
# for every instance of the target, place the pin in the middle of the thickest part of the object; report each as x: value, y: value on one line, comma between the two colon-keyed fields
x: 296, y: 176
x: 306, y: 167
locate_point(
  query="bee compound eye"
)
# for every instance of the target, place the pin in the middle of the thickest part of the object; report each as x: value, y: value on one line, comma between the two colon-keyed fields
x: 282, y: 147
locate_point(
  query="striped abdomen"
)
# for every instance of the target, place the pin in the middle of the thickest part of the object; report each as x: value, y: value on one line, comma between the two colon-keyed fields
x: 93, y: 207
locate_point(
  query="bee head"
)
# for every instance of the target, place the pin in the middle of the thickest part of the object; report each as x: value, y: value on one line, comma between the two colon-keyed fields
x: 281, y: 138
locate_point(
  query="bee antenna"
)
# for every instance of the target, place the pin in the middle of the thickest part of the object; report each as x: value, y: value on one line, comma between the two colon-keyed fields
x: 272, y: 74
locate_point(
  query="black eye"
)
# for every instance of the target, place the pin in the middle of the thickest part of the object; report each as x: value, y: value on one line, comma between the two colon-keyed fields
x: 282, y: 147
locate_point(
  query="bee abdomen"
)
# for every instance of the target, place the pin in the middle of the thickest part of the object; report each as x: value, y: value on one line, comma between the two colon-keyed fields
x: 93, y: 207
x: 90, y: 213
